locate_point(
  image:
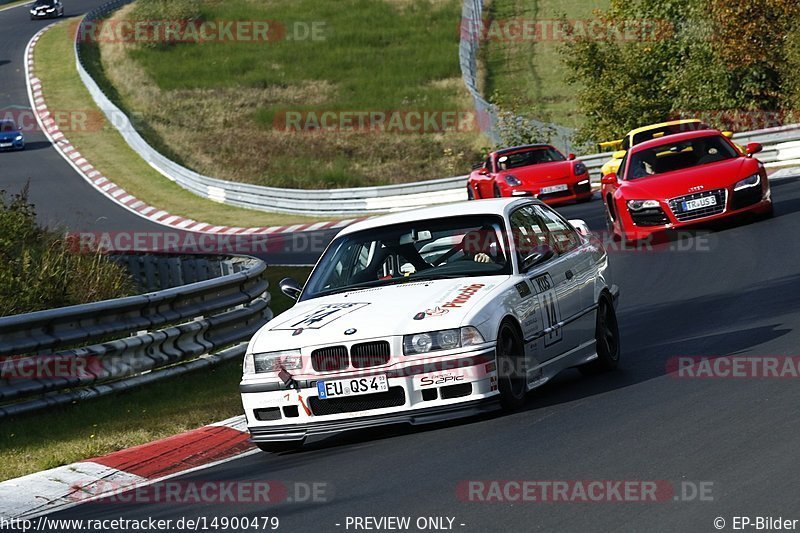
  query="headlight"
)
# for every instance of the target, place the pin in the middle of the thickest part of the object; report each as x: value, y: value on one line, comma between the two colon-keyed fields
x: 583, y: 182
x: 50, y: 10
x: 638, y: 205
x: 274, y: 361
x: 580, y: 169
x: 18, y: 138
x: 512, y: 180
x: 752, y: 181
x: 445, y: 339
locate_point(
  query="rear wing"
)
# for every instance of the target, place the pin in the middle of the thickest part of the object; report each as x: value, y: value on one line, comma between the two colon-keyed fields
x: 610, y: 146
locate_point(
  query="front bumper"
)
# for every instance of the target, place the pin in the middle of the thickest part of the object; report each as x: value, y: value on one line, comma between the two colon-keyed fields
x: 579, y: 189
x: 420, y: 392
x: 736, y: 203
x: 12, y: 145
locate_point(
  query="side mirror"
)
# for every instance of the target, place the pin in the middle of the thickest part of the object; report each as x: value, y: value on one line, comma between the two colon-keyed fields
x: 753, y: 148
x: 570, y: 157
x: 581, y: 227
x: 535, y: 258
x: 290, y: 288
x: 619, y: 154
x: 609, y: 179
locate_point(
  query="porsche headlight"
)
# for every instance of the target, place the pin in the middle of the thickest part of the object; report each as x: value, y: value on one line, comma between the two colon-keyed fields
x: 274, y: 361
x: 580, y: 169
x: 751, y: 181
x: 445, y: 339
x: 512, y: 180
x: 638, y: 205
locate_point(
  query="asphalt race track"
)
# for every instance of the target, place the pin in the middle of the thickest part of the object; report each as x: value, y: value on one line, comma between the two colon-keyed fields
x: 730, y: 290
x: 62, y: 198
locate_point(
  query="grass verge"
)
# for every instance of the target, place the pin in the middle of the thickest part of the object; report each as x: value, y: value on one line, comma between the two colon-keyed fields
x: 224, y: 108
x: 64, y: 435
x: 105, y: 148
x: 530, y: 74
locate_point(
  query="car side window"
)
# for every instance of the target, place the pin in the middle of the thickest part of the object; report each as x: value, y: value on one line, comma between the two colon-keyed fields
x: 560, y: 236
x: 621, y: 170
x: 528, y: 231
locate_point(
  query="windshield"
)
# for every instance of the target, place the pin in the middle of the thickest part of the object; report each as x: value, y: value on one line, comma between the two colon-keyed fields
x: 533, y: 156
x: 420, y: 250
x: 679, y: 155
x: 7, y: 125
x: 42, y: 3
x: 671, y: 129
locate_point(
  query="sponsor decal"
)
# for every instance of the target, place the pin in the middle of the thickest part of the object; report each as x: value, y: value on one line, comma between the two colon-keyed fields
x: 523, y: 289
x: 464, y: 295
x: 320, y: 316
x: 436, y: 311
x: 442, y: 379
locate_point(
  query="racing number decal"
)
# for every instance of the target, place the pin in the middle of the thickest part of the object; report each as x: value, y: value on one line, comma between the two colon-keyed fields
x: 320, y: 316
x: 551, y: 312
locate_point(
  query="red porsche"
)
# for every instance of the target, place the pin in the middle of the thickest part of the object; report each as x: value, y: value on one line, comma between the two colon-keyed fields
x: 537, y: 170
x: 681, y: 180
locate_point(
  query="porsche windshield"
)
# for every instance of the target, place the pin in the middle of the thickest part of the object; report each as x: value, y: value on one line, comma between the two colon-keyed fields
x: 534, y: 156
x: 680, y: 155
x: 421, y: 250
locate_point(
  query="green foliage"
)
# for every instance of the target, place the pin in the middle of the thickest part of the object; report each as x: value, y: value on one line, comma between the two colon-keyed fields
x: 515, y: 129
x: 40, y: 270
x: 700, y: 63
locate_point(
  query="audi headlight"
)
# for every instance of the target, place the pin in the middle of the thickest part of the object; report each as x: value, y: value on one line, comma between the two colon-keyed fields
x: 638, y: 205
x: 512, y: 180
x: 50, y: 10
x: 274, y: 361
x: 580, y: 169
x: 751, y: 181
x: 445, y: 339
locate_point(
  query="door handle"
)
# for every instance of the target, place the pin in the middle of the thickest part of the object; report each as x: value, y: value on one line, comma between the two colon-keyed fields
x: 569, y: 274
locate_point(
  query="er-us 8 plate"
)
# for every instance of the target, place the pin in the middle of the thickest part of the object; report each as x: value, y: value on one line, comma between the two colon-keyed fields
x: 352, y: 387
x: 699, y: 203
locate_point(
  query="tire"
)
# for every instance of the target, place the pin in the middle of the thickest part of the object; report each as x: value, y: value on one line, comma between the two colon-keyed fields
x: 607, y: 339
x: 470, y: 194
x: 768, y: 214
x: 610, y: 225
x: 511, y: 379
x: 281, y: 446
x: 497, y: 193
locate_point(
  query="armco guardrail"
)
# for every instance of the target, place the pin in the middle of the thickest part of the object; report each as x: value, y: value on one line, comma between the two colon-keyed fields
x: 362, y: 200
x: 134, y: 340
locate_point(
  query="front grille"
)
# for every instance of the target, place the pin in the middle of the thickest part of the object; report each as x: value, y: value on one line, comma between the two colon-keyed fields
x: 267, y: 414
x: 330, y: 359
x: 558, y: 194
x: 456, y: 391
x: 369, y: 354
x: 676, y: 205
x: 649, y: 217
x: 394, y: 397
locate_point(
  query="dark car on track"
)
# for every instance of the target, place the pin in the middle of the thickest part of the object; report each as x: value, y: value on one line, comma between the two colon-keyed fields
x: 11, y: 137
x: 45, y: 9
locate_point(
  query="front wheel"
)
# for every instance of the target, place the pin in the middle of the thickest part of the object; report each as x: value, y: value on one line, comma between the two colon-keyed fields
x: 606, y: 338
x: 511, y: 379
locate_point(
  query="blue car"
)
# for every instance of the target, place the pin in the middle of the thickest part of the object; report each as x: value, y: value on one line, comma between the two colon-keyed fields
x: 10, y: 136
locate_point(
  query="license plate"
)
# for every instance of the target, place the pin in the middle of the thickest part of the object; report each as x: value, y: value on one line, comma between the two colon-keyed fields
x: 554, y: 188
x: 699, y: 203
x: 6, y: 145
x: 352, y: 387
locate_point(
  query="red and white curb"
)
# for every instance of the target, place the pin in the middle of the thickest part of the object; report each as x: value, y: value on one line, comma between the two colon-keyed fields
x: 117, y: 194
x: 66, y: 486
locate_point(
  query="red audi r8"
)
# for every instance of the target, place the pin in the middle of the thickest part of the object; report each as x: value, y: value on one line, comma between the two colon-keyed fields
x: 537, y: 170
x: 681, y: 180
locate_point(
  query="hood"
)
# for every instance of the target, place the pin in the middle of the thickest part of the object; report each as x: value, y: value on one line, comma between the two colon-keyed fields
x: 712, y: 176
x: 9, y: 135
x: 376, y: 313
x: 557, y: 171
